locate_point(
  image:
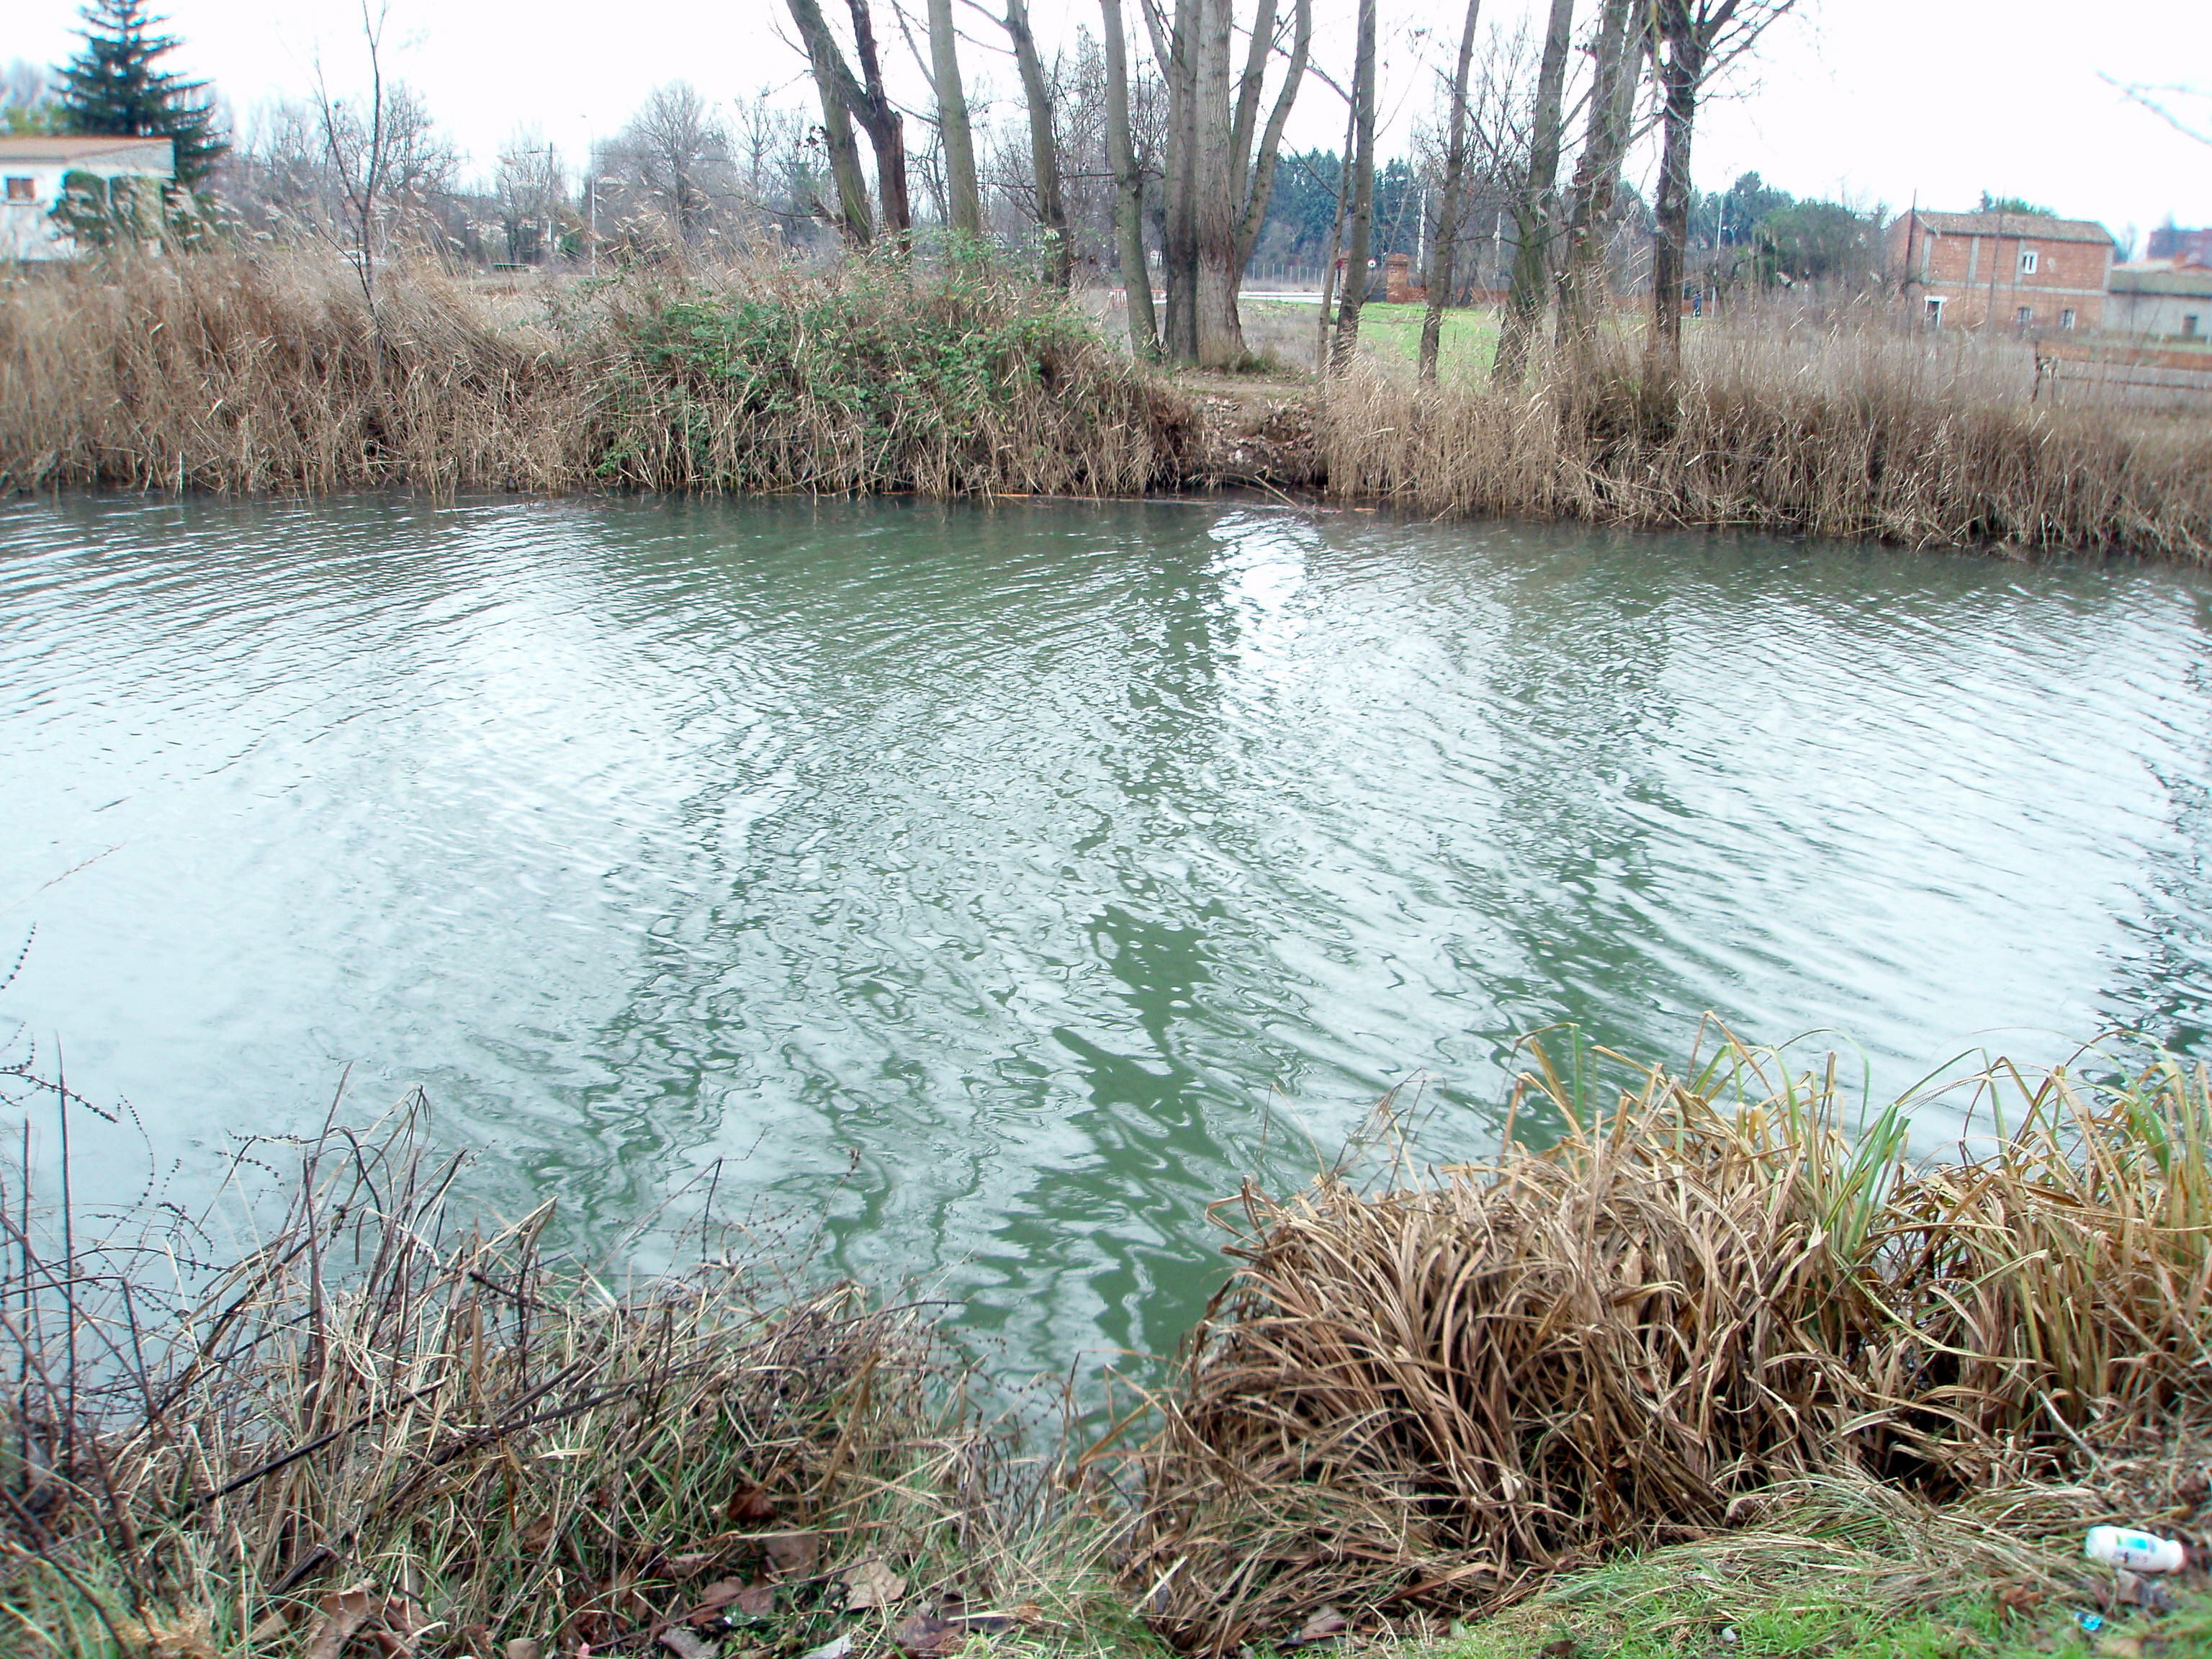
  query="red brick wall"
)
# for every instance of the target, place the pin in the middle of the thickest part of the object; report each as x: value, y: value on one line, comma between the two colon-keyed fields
x: 1958, y: 268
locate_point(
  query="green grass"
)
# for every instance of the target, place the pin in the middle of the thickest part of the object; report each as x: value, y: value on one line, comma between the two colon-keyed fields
x: 1620, y: 1612
x: 1468, y: 342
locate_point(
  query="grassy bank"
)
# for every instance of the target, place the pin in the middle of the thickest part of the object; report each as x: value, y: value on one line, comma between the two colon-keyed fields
x: 1707, y: 1374
x: 245, y: 374
x: 1845, y: 431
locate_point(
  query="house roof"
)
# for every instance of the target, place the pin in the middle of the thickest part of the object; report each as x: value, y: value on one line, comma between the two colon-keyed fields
x: 2162, y: 276
x: 65, y: 146
x: 2028, y: 226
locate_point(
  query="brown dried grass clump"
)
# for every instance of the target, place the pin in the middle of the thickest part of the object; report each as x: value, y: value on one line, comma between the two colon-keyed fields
x: 386, y: 1431
x: 269, y: 375
x: 274, y: 373
x: 1435, y: 1392
x: 1851, y: 430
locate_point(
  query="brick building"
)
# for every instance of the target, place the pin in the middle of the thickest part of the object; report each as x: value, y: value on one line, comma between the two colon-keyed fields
x: 2026, y: 271
x: 2186, y: 247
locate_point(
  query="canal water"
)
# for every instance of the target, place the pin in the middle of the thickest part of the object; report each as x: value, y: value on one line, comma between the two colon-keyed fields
x: 996, y: 887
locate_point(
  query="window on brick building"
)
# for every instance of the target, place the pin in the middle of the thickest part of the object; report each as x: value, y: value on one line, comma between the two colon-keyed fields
x: 22, y: 190
x: 1935, y: 313
x: 2027, y: 262
x: 2066, y: 318
x: 2025, y: 316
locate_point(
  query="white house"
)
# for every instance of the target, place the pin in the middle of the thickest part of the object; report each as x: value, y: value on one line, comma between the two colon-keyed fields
x: 33, y: 169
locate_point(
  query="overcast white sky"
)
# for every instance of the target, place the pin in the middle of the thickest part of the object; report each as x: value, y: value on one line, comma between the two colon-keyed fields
x: 1875, y: 100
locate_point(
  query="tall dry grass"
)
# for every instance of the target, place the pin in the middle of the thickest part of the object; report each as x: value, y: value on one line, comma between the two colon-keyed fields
x: 245, y: 375
x: 1853, y: 429
x: 380, y: 1429
x: 249, y: 375
x: 1437, y: 1391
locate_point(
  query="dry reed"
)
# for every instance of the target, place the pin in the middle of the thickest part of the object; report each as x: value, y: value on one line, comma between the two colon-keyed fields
x: 382, y: 1430
x: 1853, y: 430
x: 253, y: 374
x: 1437, y: 1392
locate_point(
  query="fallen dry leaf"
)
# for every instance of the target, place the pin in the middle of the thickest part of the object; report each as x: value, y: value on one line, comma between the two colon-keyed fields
x: 1325, y: 1624
x: 689, y: 1566
x: 794, y: 1554
x: 928, y: 1637
x: 521, y: 1647
x: 344, y: 1612
x: 871, y: 1584
x: 712, y: 1600
x: 837, y: 1649
x: 2020, y: 1598
x: 750, y: 1506
x: 685, y: 1645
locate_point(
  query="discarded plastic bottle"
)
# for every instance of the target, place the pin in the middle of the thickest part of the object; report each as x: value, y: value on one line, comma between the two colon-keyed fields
x: 2137, y: 1551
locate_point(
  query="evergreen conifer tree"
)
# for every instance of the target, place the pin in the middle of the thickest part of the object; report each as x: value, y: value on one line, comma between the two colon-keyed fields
x: 114, y: 87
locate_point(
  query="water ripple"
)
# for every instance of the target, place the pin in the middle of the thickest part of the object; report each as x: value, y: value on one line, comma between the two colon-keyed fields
x: 1059, y: 865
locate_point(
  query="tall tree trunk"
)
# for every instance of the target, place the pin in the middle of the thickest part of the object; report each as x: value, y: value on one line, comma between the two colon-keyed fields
x: 1045, y: 149
x: 886, y: 129
x: 1362, y: 162
x: 1535, y: 213
x: 1332, y: 291
x: 1177, y: 52
x: 964, y: 202
x: 1443, y: 261
x: 1213, y: 206
x: 1680, y: 70
x: 1221, y: 165
x: 1128, y: 189
x: 834, y: 81
x: 1597, y: 172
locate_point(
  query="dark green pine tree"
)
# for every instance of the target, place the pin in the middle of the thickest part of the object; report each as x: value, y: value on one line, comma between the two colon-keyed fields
x: 114, y: 88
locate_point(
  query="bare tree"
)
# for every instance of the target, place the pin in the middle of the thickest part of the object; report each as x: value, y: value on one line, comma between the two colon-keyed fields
x: 1535, y: 214
x: 1361, y: 217
x: 1129, y: 188
x: 1444, y: 260
x: 963, y: 201
x: 1617, y: 55
x: 847, y: 99
x: 2159, y: 101
x: 532, y: 188
x: 1221, y: 160
x: 1044, y: 151
x: 355, y: 147
x: 27, y: 99
x: 1696, y: 40
x: 677, y: 155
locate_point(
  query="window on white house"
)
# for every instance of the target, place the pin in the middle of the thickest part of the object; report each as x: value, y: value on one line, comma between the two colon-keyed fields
x: 2026, y: 316
x: 2189, y: 326
x: 2027, y: 262
x: 2066, y: 318
x: 22, y: 190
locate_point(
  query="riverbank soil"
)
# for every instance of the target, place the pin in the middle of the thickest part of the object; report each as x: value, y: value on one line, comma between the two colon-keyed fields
x: 1257, y: 431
